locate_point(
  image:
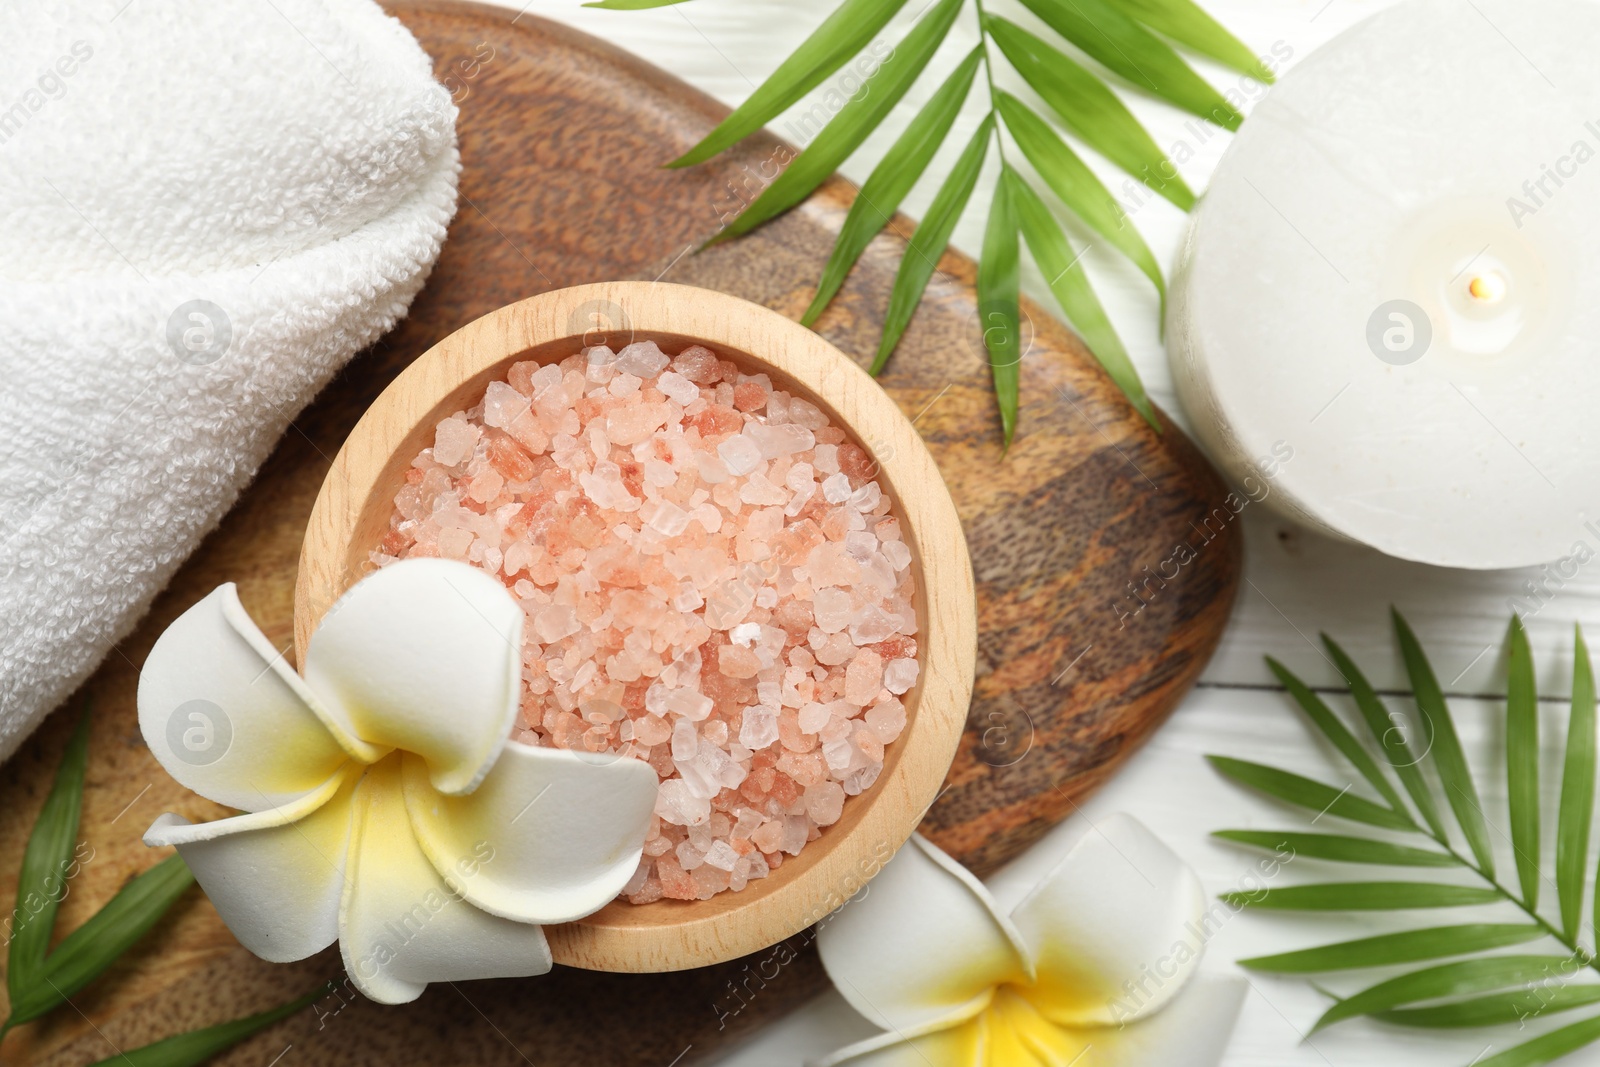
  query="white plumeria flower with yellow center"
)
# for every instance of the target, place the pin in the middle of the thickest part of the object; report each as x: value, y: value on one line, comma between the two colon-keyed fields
x: 385, y: 806
x: 1062, y: 960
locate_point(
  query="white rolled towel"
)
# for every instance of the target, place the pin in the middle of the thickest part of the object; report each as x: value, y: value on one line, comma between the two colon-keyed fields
x: 205, y: 210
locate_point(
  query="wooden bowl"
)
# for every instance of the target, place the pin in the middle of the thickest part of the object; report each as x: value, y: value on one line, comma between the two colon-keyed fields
x: 357, y: 498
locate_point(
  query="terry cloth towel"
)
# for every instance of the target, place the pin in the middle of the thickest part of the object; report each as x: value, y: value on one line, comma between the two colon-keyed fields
x: 205, y: 210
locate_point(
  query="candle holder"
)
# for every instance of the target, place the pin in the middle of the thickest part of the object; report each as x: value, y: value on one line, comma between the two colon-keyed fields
x: 352, y: 513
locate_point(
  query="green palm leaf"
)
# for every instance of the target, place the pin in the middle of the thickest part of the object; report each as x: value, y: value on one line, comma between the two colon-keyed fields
x: 1444, y: 746
x: 1121, y: 44
x: 48, y: 858
x: 1444, y: 980
x: 847, y: 31
x: 1496, y: 1009
x: 86, y: 952
x: 1362, y: 896
x: 199, y: 1046
x: 1130, y: 38
x: 1522, y: 760
x: 1338, y: 847
x: 1390, y: 736
x: 1070, y: 285
x: 1484, y: 987
x: 39, y: 982
x: 1307, y: 793
x: 1089, y: 109
x: 928, y: 242
x: 1407, y: 946
x: 892, y: 179
x: 1551, y: 1046
x: 999, y: 317
x: 1071, y: 179
x: 1186, y: 23
x: 856, y: 119
x: 1577, y: 790
x: 1336, y: 731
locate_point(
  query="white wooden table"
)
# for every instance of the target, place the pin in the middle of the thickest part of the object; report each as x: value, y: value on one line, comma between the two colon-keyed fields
x: 1296, y: 583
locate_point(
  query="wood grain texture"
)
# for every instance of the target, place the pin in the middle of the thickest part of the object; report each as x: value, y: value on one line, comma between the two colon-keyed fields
x: 356, y: 503
x: 1105, y: 555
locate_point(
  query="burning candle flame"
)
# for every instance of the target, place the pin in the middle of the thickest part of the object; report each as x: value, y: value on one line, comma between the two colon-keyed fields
x: 1487, y: 288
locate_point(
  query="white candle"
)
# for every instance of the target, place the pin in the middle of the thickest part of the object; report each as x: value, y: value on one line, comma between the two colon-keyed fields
x: 1394, y: 271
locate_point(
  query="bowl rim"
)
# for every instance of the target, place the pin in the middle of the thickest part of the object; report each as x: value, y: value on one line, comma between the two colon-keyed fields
x: 674, y: 935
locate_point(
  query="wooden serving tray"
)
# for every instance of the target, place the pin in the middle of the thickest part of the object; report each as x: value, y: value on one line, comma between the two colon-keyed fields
x: 562, y: 137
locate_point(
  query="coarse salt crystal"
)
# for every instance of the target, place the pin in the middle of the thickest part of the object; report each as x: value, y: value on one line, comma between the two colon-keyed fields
x: 455, y: 544
x: 689, y: 703
x: 722, y: 856
x: 749, y: 820
x: 814, y: 716
x: 454, y: 440
x: 677, y: 388
x: 807, y: 414
x: 554, y: 622
x: 642, y: 359
x: 669, y: 519
x: 900, y: 675
x: 863, y: 678
x: 758, y: 490
x: 685, y: 741
x: 708, y: 516
x: 711, y: 469
x: 886, y: 719
x: 659, y: 473
x: 785, y: 440
x: 629, y: 423
x: 759, y: 728
x: 502, y: 404
x: 795, y: 833
x: 824, y: 803
x: 832, y: 609
x: 740, y: 455
x: 866, y: 498
x: 871, y: 625
x: 713, y: 582
x: 677, y: 804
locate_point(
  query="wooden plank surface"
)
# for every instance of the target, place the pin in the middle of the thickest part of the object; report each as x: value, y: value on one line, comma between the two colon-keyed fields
x: 562, y: 137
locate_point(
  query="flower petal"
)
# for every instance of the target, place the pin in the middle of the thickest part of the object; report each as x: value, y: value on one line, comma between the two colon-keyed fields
x: 401, y: 926
x: 1114, y: 929
x: 817, y: 1028
x: 1017, y: 1034
x: 925, y: 942
x: 1193, y: 1029
x: 226, y: 715
x: 958, y: 1042
x: 424, y: 655
x: 564, y: 830
x: 274, y: 876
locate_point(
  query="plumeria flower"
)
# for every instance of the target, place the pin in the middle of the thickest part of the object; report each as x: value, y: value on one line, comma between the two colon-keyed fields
x: 384, y: 805
x: 1075, y: 959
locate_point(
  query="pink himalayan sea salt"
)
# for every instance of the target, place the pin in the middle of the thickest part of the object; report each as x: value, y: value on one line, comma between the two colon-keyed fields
x: 714, y: 584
